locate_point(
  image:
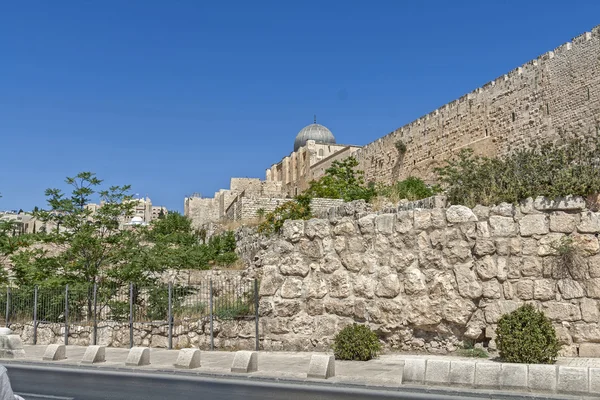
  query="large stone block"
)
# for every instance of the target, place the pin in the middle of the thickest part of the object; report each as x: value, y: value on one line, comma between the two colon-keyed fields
x: 542, y: 377
x: 572, y: 380
x: 533, y: 224
x: 437, y: 372
x: 467, y: 283
x: 514, y: 376
x: 55, y: 352
x: 458, y: 214
x: 384, y: 223
x: 245, y: 361
x: 594, y: 377
x: 138, y: 356
x: 188, y: 359
x: 462, y: 373
x: 589, y: 350
x: 11, y: 346
x: 567, y: 203
x: 414, y: 370
x: 563, y: 222
x: 321, y: 366
x: 589, y: 223
x: 487, y: 375
x: 94, y: 354
x: 503, y: 226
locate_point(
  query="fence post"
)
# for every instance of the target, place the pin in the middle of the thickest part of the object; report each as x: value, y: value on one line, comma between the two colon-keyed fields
x: 95, y: 313
x: 7, y: 305
x: 256, y: 311
x: 35, y: 307
x: 67, y: 314
x: 170, y: 315
x: 212, y: 340
x: 130, y: 315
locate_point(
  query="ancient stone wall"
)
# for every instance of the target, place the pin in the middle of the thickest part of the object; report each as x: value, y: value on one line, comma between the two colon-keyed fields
x: 429, y: 279
x: 201, y: 210
x: 555, y: 93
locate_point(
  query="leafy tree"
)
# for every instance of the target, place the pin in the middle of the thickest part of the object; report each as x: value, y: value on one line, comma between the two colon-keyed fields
x: 299, y: 208
x: 342, y: 181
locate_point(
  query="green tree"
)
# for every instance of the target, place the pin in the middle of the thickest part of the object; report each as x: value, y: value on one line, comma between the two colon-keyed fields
x: 342, y: 181
x: 87, y: 246
x: 299, y: 208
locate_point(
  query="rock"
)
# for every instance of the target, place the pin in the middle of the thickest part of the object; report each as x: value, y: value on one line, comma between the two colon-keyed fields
x: 562, y: 222
x: 384, y: 223
x: 414, y: 281
x: 560, y: 312
x: 587, y: 244
x: 483, y: 229
x: 492, y: 289
x: 533, y: 224
x: 484, y: 247
x: 292, y: 230
x: 343, y: 308
x: 570, y: 289
x: 502, y: 226
x: 524, y: 289
x: 549, y: 243
x: 295, y: 267
x: 494, y: 311
x: 567, y: 203
x: 458, y: 251
x: 422, y: 219
x: 286, y: 308
x: 584, y: 332
x: 345, y: 226
x: 366, y: 224
x: 526, y: 206
x: 544, y: 289
x: 388, y: 284
x: 352, y: 261
x: 330, y: 264
x: 590, y: 223
x: 317, y: 228
x: 271, y: 281
x: 503, y: 209
x: 404, y: 221
x: 532, y: 267
x: 476, y: 325
x: 438, y: 218
x: 458, y: 311
x: 315, y: 287
x: 589, y: 310
x: 594, y: 266
x: 467, y: 283
x: 486, y: 268
x: 592, y: 286
x: 460, y: 214
x: 339, y: 284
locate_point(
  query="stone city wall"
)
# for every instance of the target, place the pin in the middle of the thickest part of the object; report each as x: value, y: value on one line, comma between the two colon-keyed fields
x: 430, y: 279
x: 557, y: 92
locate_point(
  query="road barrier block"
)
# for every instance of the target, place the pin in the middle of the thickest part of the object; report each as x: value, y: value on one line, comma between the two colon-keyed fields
x: 542, y: 377
x: 138, y: 356
x: 462, y: 373
x: 11, y: 345
x: 188, y: 359
x: 437, y: 371
x: 94, y: 354
x: 513, y: 376
x: 572, y: 379
x: 321, y: 366
x: 55, y: 352
x: 245, y: 361
x: 414, y: 370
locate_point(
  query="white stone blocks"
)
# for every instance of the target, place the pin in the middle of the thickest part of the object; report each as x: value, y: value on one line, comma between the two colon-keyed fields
x: 321, y: 366
x: 457, y: 214
x: 487, y: 374
x: 245, y: 361
x: 414, y: 370
x: 11, y: 346
x: 542, y: 377
x: 55, y: 352
x: 594, y: 376
x: 94, y: 354
x: 188, y: 359
x: 437, y: 372
x: 138, y: 356
x: 462, y: 373
x: 513, y: 376
x: 572, y: 379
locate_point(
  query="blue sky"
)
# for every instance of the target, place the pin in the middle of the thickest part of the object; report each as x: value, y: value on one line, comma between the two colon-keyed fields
x: 176, y: 97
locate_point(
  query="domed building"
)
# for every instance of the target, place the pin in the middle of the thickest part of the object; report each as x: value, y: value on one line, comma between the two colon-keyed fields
x: 316, y: 132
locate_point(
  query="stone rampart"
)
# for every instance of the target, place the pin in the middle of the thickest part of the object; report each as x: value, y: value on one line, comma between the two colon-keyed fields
x: 555, y: 93
x: 429, y: 279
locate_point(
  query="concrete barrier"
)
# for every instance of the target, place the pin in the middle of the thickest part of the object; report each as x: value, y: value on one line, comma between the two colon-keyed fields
x: 514, y: 376
x: 94, y: 354
x: 487, y: 375
x: 595, y: 381
x: 188, y: 359
x: 11, y: 345
x: 462, y: 373
x: 414, y: 370
x: 437, y: 372
x: 138, y: 356
x: 572, y: 379
x: 245, y: 361
x: 321, y: 366
x: 55, y: 352
x: 542, y: 378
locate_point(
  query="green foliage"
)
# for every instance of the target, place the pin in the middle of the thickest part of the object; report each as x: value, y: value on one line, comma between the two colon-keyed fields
x: 571, y: 167
x: 232, y: 309
x: 527, y: 336
x: 356, y: 342
x: 468, y: 350
x: 401, y: 147
x: 411, y: 189
x: 342, y: 181
x: 299, y: 208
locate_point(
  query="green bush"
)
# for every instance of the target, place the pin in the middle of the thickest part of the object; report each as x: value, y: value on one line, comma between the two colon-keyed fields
x: 299, y: 208
x: 411, y: 189
x: 527, y: 336
x: 356, y: 342
x: 569, y: 167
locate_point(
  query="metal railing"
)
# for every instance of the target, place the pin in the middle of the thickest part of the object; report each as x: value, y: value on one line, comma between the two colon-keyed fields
x: 169, y: 304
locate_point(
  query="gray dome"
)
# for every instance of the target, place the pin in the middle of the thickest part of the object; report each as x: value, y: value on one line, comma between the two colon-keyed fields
x: 316, y: 132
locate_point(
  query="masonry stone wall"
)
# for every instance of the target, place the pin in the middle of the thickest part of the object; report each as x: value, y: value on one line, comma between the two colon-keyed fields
x: 429, y: 279
x: 555, y: 93
x: 201, y: 210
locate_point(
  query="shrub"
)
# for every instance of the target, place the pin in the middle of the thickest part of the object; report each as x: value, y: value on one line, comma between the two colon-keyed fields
x: 570, y: 167
x: 356, y: 342
x: 299, y: 208
x: 401, y: 147
x: 527, y: 336
x: 411, y: 189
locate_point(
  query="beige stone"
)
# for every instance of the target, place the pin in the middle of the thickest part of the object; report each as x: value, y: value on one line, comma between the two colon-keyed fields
x: 594, y: 266
x: 388, y: 284
x: 271, y: 281
x: 532, y: 267
x: 502, y: 226
x: 315, y: 287
x: 524, y: 289
x: 570, y: 289
x: 563, y: 222
x: 589, y: 223
x: 384, y: 223
x: 317, y: 228
x: 486, y: 267
x: 339, y: 284
x: 593, y: 288
x: 544, y: 289
x: 494, y: 311
x: 345, y: 227
x: 457, y: 214
x: 559, y: 312
x: 503, y: 209
x: 404, y: 221
x: 422, y: 219
x: 468, y: 285
x: 291, y: 288
x: 366, y: 224
x: 589, y: 310
x: 585, y: 332
x: 533, y: 224
x: 492, y: 289
x: 484, y: 247
x: 293, y: 230
x: 414, y: 281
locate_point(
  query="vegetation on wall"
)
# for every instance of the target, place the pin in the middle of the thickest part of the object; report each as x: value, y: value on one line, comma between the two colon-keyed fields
x: 570, y: 167
x: 342, y: 181
x: 410, y: 189
x: 298, y: 208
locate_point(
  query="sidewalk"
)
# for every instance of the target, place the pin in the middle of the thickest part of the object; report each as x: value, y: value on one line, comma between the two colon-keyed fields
x: 387, y: 371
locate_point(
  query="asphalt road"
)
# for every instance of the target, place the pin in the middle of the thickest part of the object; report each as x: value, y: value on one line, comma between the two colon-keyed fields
x: 41, y: 382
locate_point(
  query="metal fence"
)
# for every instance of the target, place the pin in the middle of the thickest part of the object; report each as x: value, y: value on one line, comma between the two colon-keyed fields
x: 170, y: 304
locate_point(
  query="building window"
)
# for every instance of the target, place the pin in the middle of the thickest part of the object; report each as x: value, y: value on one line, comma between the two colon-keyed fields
x: 320, y: 152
